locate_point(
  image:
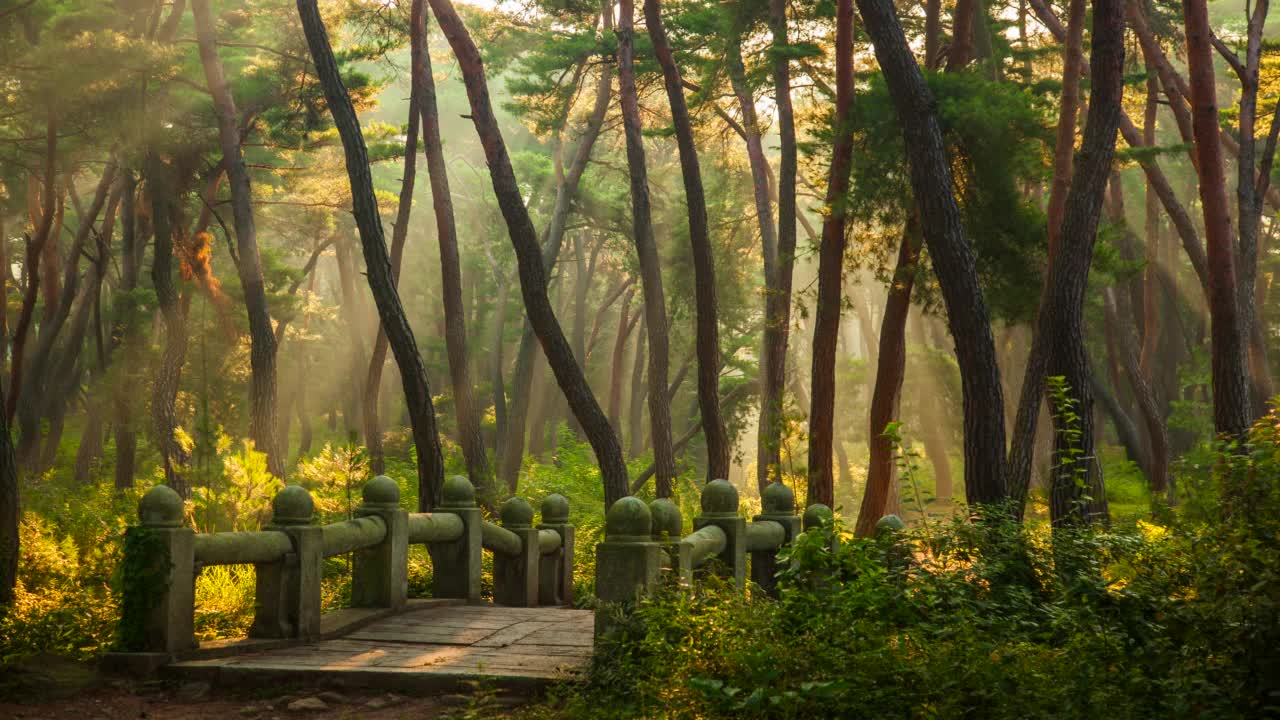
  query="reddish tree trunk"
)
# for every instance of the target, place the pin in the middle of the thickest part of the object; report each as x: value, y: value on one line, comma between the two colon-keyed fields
x: 826, y: 325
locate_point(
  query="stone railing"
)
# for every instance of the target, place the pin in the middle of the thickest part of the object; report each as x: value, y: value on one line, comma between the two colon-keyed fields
x: 644, y: 545
x: 532, y: 566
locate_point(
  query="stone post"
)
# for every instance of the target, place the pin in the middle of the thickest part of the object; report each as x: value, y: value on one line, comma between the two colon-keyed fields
x: 668, y: 528
x: 628, y: 562
x: 380, y: 574
x: 160, y: 618
x: 555, y: 569
x: 288, y: 590
x: 455, y: 564
x: 720, y: 508
x: 515, y: 578
x: 778, y: 504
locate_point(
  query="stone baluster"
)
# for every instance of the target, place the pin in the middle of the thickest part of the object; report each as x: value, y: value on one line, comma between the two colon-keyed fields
x: 158, y: 614
x: 628, y: 562
x: 288, y: 590
x: 380, y: 574
x: 777, y: 504
x: 515, y: 577
x: 720, y: 508
x: 555, y: 569
x: 668, y: 528
x: 455, y: 564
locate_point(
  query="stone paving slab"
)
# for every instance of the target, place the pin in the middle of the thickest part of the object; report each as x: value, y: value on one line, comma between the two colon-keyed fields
x: 436, y: 648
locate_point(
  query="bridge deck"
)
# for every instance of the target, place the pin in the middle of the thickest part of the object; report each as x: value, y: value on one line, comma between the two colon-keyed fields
x: 440, y: 647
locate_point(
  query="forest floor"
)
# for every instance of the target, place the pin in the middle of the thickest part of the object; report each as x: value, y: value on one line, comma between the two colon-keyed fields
x: 53, y: 688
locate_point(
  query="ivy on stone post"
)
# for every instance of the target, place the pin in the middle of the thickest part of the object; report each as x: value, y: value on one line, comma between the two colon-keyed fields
x: 288, y: 590
x: 628, y: 562
x: 380, y: 574
x: 456, y: 563
x: 158, y: 578
x: 778, y: 505
x: 668, y: 529
x: 555, y: 569
x: 515, y: 577
x: 720, y: 508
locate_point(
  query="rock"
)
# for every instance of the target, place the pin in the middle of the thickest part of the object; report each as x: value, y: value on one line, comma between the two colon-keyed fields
x: 309, y: 704
x: 281, y: 703
x: 384, y: 701
x: 251, y: 710
x: 333, y: 698
x: 193, y: 691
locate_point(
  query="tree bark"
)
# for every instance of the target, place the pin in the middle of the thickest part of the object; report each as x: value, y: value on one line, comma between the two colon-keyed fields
x: 890, y: 371
x: 1068, y: 113
x: 706, y: 321
x: 826, y: 324
x: 635, y: 406
x: 533, y: 280
x: 952, y: 256
x: 413, y: 373
x: 1231, y: 402
x: 625, y: 326
x: 173, y: 455
x: 262, y: 339
x: 455, y: 330
x: 31, y: 265
x: 655, y: 307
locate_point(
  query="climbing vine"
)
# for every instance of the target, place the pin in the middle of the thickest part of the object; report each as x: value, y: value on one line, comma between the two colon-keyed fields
x: 142, y: 579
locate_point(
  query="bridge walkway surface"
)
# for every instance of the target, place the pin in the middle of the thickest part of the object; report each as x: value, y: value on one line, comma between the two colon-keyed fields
x: 432, y: 646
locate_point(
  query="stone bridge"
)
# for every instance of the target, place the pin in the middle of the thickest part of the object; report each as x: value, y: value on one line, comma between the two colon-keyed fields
x: 526, y: 637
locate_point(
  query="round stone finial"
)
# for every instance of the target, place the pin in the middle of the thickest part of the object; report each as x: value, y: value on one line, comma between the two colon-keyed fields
x: 516, y: 512
x: 719, y: 498
x: 292, y: 506
x: 817, y: 515
x: 777, y: 499
x: 628, y: 520
x: 160, y: 507
x: 458, y: 492
x: 381, y: 491
x: 555, y: 509
x: 668, y: 523
x: 890, y: 524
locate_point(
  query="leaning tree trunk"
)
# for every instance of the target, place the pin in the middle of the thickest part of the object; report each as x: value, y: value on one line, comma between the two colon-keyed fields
x: 413, y: 374
x: 522, y: 375
x: 890, y: 371
x: 655, y: 307
x: 826, y: 324
x: 533, y: 277
x: 455, y: 330
x: 262, y: 338
x: 35, y: 249
x: 951, y: 253
x: 1231, y: 406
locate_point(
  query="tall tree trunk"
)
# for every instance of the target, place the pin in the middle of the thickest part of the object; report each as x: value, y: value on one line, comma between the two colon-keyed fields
x: 962, y: 22
x: 1231, y: 406
x: 10, y: 512
x: 124, y: 333
x: 706, y: 320
x: 881, y: 470
x: 31, y: 268
x: 173, y: 455
x: 1157, y: 432
x: 1077, y: 493
x: 635, y: 407
x: 352, y: 392
x: 455, y: 330
x: 501, y: 422
x: 779, y: 311
x: 262, y: 338
x: 533, y: 278
x: 952, y: 256
x: 1068, y: 113
x: 625, y: 326
x: 826, y: 324
x: 413, y: 373
x: 655, y: 306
